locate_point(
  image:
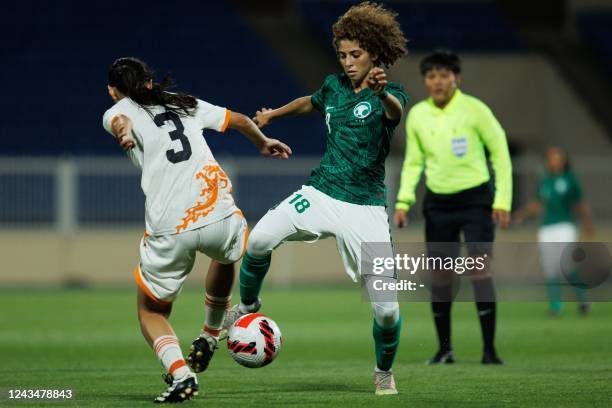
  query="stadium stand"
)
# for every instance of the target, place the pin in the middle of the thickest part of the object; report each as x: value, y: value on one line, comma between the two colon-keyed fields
x: 596, y: 28
x: 59, y: 54
x: 56, y: 94
x: 471, y: 26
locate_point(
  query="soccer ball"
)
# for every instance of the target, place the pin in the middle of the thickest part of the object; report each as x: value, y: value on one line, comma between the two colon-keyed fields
x: 254, y: 340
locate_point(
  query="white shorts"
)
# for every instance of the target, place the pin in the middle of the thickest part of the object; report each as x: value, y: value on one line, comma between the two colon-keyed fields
x: 166, y: 260
x: 553, y: 240
x: 309, y: 215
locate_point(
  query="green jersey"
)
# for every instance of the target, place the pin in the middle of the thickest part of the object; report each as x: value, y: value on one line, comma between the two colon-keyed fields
x: 559, y: 194
x: 358, y: 137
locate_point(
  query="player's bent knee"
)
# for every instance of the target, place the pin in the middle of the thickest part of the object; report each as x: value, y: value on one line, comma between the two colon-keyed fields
x: 146, y: 305
x: 260, y: 243
x: 230, y: 260
x: 386, y: 313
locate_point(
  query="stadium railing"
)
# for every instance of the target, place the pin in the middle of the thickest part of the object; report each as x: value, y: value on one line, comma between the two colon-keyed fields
x: 68, y: 194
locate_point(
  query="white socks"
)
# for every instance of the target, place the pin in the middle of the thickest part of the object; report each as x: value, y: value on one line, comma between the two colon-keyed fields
x: 214, y: 313
x: 169, y: 353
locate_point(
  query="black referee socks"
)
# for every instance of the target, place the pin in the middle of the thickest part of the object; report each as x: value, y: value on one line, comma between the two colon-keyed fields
x: 441, y: 307
x: 484, y: 294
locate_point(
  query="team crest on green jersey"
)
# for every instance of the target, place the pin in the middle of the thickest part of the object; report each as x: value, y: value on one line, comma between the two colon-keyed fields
x: 560, y: 186
x: 362, y: 110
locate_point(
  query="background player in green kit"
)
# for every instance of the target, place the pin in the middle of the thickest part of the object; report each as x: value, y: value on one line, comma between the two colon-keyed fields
x: 447, y: 135
x: 559, y: 201
x: 345, y: 196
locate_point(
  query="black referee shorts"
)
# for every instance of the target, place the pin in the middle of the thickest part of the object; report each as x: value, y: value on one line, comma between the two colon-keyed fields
x: 468, y: 212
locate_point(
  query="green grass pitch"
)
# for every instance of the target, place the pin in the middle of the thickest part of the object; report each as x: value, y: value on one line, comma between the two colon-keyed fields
x: 89, y: 341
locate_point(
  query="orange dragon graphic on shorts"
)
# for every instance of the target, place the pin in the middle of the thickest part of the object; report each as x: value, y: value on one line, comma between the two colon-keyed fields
x: 213, y: 178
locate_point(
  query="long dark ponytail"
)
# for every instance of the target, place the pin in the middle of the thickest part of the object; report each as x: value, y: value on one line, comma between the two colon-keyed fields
x: 130, y: 76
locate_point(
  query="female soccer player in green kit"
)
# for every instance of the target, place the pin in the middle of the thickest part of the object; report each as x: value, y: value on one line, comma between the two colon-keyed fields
x: 446, y: 136
x: 559, y: 201
x: 345, y: 196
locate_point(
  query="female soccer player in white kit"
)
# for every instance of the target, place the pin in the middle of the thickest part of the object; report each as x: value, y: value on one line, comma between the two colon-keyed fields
x: 189, y: 207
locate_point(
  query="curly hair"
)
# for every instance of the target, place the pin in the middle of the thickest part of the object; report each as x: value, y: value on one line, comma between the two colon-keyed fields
x: 375, y: 29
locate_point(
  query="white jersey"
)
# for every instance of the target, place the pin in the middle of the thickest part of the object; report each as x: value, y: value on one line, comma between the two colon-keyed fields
x: 184, y: 186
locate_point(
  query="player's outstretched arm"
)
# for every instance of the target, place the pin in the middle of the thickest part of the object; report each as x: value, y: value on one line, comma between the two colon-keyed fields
x: 121, y: 126
x: 377, y: 82
x: 265, y: 145
x: 585, y: 214
x: 298, y: 106
x: 530, y: 210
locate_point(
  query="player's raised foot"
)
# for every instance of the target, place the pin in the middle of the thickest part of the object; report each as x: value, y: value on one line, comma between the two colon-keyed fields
x: 442, y: 357
x: 491, y: 357
x: 384, y: 383
x: 179, y: 390
x: 201, y: 352
x: 234, y: 313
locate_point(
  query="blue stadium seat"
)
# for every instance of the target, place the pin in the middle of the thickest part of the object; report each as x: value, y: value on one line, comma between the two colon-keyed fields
x: 56, y: 54
x: 597, y: 30
x: 469, y: 26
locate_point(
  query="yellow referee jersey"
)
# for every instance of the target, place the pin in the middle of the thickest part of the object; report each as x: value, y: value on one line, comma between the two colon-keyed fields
x: 450, y: 145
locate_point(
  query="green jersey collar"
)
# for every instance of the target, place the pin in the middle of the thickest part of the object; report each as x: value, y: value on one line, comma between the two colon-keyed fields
x: 348, y: 86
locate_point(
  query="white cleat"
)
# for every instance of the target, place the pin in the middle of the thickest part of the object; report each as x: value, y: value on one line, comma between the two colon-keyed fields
x: 385, y: 383
x: 234, y: 313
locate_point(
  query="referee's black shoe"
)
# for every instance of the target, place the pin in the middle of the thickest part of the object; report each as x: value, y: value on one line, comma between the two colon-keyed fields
x: 442, y: 357
x: 491, y: 357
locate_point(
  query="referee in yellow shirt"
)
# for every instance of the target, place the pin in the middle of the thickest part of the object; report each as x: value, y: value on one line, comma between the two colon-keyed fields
x: 447, y: 135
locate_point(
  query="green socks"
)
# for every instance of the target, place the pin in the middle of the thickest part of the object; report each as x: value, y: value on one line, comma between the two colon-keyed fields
x: 553, y: 287
x: 579, y: 287
x: 385, y: 344
x: 252, y: 273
